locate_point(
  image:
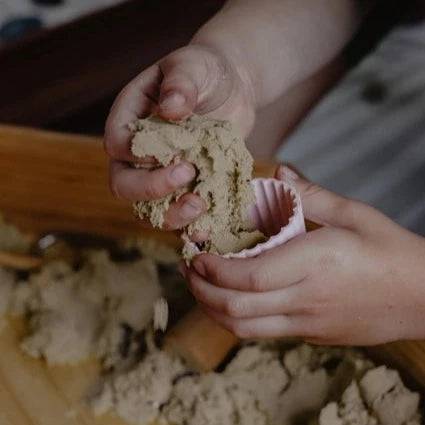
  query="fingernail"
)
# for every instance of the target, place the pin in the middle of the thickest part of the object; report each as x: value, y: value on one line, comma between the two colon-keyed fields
x: 172, y: 100
x: 182, y: 173
x: 285, y: 173
x: 191, y: 209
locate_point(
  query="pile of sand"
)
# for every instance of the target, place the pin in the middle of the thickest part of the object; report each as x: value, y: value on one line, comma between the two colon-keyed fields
x: 104, y: 309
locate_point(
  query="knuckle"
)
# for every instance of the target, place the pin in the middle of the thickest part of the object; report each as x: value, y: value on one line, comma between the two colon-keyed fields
x: 240, y: 330
x: 329, y: 259
x: 110, y: 147
x: 311, y: 189
x: 351, y: 211
x: 257, y: 280
x: 340, y: 253
x: 217, y: 275
x: 115, y: 187
x: 314, y: 308
x: 151, y: 190
x: 173, y: 219
x: 234, y: 307
x: 173, y: 59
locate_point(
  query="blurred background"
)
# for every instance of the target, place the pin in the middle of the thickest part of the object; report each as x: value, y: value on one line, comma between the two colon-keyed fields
x: 63, y: 61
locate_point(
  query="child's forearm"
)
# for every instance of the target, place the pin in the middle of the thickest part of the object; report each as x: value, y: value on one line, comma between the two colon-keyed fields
x: 277, y: 43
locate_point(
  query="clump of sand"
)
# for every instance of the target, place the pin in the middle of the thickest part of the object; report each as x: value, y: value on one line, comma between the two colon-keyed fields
x: 224, y: 172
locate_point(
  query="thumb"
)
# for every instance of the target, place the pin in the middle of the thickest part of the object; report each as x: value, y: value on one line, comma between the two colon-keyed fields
x: 194, y: 80
x: 319, y: 205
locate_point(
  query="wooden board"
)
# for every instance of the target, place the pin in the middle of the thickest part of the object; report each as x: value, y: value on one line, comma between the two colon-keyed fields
x: 51, y: 181
x: 32, y: 394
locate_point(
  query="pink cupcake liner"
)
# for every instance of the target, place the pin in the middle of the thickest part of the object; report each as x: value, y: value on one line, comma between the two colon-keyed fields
x: 277, y: 213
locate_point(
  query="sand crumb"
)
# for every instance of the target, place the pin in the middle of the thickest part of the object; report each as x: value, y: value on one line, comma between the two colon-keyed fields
x: 160, y: 314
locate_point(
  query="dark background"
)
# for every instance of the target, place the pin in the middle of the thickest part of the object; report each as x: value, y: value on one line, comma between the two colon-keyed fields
x: 66, y: 78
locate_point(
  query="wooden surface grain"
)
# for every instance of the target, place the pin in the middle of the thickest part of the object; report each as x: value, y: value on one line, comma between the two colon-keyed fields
x: 33, y: 394
x: 55, y: 182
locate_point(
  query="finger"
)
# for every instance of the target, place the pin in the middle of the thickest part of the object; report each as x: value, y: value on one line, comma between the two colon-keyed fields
x: 263, y: 327
x: 287, y: 172
x: 143, y: 185
x: 194, y: 81
x: 199, y: 237
x: 320, y: 205
x: 246, y: 304
x: 136, y: 100
x: 181, y: 213
x: 275, y: 269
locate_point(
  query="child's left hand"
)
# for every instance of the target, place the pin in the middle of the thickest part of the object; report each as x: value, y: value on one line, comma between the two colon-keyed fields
x: 359, y: 280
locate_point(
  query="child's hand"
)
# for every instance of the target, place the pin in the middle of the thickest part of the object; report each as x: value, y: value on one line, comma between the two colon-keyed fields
x: 358, y: 280
x: 194, y: 79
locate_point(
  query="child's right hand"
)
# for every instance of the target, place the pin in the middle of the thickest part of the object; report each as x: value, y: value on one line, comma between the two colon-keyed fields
x: 194, y: 79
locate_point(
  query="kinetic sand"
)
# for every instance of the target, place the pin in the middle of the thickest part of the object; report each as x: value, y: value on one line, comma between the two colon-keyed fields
x: 105, y: 309
x: 224, y: 171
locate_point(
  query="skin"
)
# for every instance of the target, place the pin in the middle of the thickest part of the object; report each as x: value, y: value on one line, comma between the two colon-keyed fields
x: 228, y: 71
x: 358, y: 280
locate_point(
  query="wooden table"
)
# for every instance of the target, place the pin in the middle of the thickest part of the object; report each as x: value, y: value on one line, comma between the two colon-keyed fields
x: 55, y: 181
